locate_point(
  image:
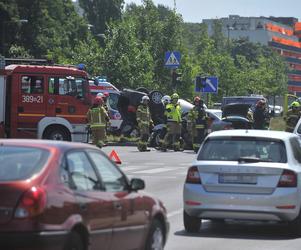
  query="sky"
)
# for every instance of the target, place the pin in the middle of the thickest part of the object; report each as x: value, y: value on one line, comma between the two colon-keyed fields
x: 196, y: 10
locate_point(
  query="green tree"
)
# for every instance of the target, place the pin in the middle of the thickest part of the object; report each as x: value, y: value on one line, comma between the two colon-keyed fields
x: 100, y: 12
x: 127, y: 61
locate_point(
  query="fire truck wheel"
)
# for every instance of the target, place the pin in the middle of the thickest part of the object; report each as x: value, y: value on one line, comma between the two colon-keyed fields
x: 57, y: 133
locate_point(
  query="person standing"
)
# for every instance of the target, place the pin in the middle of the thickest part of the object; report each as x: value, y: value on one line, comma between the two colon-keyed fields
x: 105, y: 96
x: 292, y: 117
x: 144, y: 121
x: 198, y: 117
x: 165, y: 101
x: 97, y: 118
x: 174, y: 120
x: 260, y: 115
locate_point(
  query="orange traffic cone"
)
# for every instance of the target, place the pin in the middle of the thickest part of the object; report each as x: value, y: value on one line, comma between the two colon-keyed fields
x: 114, y: 155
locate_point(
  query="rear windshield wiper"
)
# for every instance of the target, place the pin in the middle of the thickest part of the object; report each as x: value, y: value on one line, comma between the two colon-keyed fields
x: 251, y: 159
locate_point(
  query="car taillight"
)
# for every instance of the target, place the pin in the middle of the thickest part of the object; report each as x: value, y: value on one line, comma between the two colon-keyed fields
x: 32, y: 203
x: 193, y: 176
x: 288, y: 179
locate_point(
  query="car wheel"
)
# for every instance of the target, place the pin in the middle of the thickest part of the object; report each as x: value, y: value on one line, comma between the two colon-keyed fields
x: 156, y: 97
x: 57, y: 133
x: 155, y: 139
x: 75, y: 242
x: 155, y: 240
x: 191, y: 224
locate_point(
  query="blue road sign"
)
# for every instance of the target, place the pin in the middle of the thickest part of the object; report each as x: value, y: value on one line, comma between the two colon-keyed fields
x: 172, y: 59
x: 211, y: 84
x: 207, y: 84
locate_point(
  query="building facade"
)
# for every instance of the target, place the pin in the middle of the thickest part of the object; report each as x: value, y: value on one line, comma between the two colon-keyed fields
x: 283, y: 34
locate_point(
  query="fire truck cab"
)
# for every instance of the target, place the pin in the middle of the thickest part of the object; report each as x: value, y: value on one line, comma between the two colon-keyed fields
x: 45, y: 102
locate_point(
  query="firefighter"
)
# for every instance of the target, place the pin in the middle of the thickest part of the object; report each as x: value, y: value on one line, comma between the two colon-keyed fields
x: 144, y: 122
x: 165, y: 101
x: 292, y: 117
x: 174, y: 120
x: 97, y: 118
x: 260, y: 115
x: 199, y: 122
x: 105, y: 97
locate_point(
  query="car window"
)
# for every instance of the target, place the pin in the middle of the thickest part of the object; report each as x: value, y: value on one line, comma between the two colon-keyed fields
x: 296, y: 146
x: 32, y: 85
x: 21, y: 163
x: 113, y: 100
x: 231, y: 149
x: 66, y: 86
x: 80, y: 170
x: 112, y: 178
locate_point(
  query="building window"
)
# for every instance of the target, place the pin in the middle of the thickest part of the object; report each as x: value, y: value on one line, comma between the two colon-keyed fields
x: 259, y: 26
x: 32, y: 84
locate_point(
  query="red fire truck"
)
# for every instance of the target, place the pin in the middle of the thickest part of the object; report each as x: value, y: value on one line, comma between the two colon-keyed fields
x: 48, y: 102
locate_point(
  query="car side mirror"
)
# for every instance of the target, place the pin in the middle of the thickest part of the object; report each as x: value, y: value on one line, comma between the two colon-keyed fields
x: 137, y: 184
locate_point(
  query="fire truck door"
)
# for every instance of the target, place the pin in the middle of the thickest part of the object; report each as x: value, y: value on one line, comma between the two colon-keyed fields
x: 30, y: 105
x: 67, y: 100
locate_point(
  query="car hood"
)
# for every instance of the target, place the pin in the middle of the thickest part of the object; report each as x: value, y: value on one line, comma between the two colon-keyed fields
x: 236, y: 109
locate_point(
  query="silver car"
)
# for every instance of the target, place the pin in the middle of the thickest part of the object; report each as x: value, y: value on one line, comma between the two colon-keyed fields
x: 245, y: 175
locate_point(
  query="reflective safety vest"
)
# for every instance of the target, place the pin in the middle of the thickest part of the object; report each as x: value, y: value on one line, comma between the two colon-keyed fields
x: 143, y: 115
x: 173, y: 112
x: 97, y: 117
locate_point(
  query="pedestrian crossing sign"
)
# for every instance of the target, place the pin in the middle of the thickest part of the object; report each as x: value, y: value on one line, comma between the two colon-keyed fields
x: 172, y: 59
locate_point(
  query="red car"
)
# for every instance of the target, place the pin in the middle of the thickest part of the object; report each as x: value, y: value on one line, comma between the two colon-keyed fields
x: 70, y: 196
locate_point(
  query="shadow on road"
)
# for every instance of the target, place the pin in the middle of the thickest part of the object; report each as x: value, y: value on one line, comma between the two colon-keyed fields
x: 242, y: 230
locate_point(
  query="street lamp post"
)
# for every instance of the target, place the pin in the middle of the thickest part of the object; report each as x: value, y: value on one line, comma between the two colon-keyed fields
x: 3, y: 31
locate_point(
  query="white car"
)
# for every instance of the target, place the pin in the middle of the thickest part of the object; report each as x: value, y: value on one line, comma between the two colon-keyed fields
x: 245, y: 175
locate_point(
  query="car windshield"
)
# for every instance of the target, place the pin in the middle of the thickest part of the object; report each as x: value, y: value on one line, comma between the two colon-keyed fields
x: 246, y: 149
x: 20, y: 163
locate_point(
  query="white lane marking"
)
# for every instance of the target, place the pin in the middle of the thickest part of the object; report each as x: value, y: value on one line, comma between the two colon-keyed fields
x: 153, y: 171
x: 185, y: 164
x: 153, y: 176
x: 174, y: 213
x: 153, y: 163
x: 130, y: 168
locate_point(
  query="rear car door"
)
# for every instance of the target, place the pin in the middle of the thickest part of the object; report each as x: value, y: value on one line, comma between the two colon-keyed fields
x: 95, y: 205
x: 31, y: 104
x: 130, y: 216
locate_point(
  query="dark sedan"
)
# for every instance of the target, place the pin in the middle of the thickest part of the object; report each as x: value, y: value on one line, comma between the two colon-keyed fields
x: 70, y: 196
x: 234, y: 116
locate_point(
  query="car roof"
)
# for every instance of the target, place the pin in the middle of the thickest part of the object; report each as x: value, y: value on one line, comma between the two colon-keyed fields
x: 46, y: 144
x: 254, y: 133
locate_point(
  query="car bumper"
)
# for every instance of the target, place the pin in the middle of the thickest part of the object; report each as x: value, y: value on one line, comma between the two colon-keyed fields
x: 282, y: 205
x: 33, y: 240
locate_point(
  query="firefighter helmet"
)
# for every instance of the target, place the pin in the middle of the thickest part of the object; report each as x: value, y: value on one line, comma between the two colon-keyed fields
x: 144, y: 99
x: 98, y: 100
x: 166, y: 99
x: 174, y: 96
x: 100, y: 94
x: 106, y: 94
x: 295, y: 105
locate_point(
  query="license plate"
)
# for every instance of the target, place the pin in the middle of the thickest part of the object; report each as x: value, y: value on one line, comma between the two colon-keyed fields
x: 237, y: 179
